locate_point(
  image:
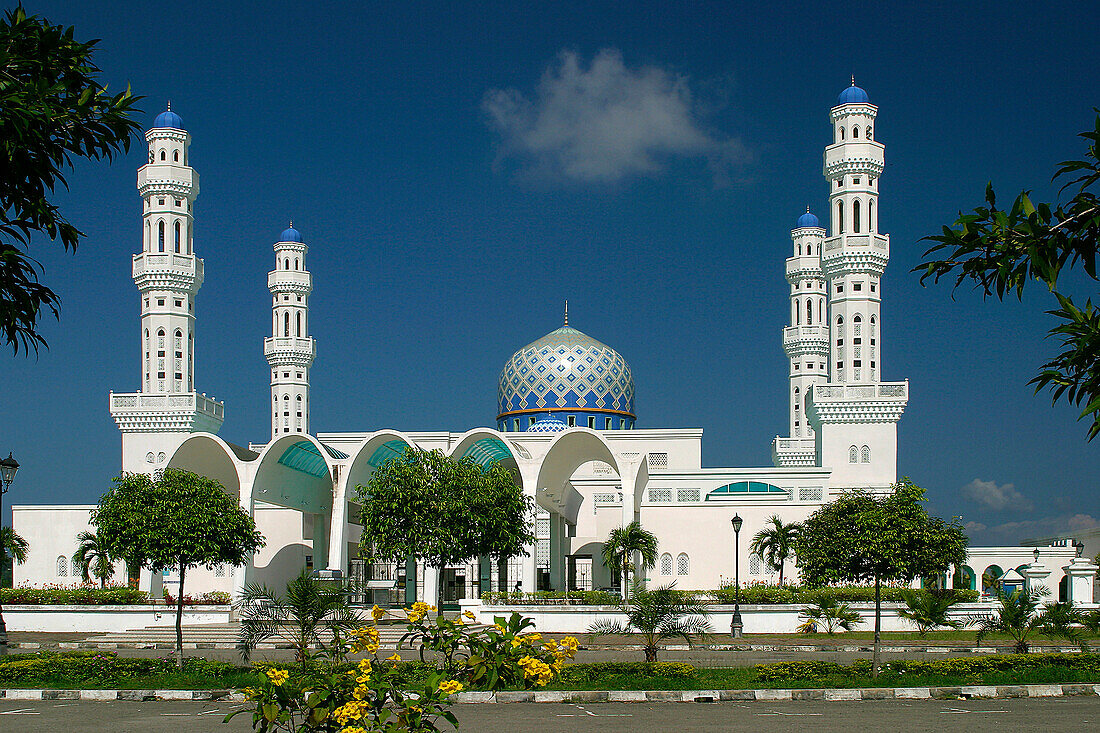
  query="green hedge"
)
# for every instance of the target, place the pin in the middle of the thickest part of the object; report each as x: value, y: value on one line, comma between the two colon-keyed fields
x: 583, y: 673
x: 78, y: 596
x: 848, y: 594
x: 98, y: 667
x: 953, y: 667
x: 545, y: 597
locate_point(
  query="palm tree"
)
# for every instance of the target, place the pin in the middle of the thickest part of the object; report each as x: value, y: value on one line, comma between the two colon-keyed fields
x: 657, y: 615
x: 1020, y: 616
x: 622, y: 542
x: 829, y: 612
x: 928, y: 610
x: 91, y: 558
x: 774, y: 543
x: 12, y: 547
x: 299, y: 617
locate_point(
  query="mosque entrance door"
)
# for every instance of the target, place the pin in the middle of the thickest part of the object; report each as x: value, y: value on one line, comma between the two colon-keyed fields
x: 453, y: 581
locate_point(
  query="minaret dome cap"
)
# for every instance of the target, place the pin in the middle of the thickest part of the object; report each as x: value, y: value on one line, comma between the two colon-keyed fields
x: 290, y: 234
x: 853, y: 95
x: 807, y: 220
x: 168, y: 118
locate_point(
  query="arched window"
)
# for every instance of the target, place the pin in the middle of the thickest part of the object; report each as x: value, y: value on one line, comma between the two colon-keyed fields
x: 855, y: 132
x: 295, y: 263
x: 809, y: 312
x: 286, y: 264
x: 865, y: 454
x: 162, y: 156
x: 872, y: 327
x: 840, y: 217
x: 842, y: 133
x: 62, y: 566
x: 855, y: 216
x: 148, y: 239
x: 666, y: 564
x: 176, y: 226
x: 160, y: 236
x: 871, y: 215
x: 188, y: 237
x: 682, y: 564
x: 820, y: 310
x: 853, y: 455
x: 286, y: 323
x: 797, y: 314
x: 298, y: 324
x: 160, y: 338
x: 755, y: 566
x: 856, y: 323
x: 176, y: 155
x: 868, y: 133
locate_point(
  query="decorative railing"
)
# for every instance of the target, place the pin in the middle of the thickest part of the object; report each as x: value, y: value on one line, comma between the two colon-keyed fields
x: 139, y: 402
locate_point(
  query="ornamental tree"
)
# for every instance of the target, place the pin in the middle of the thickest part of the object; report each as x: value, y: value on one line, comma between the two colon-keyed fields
x: 1001, y: 250
x: 863, y: 538
x: 622, y: 543
x: 53, y: 111
x: 180, y: 520
x: 442, y: 510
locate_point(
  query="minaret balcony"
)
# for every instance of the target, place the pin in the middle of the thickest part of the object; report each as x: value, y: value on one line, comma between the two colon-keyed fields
x: 864, y: 156
x: 174, y: 411
x: 290, y: 347
x: 857, y: 403
x: 290, y: 281
x: 167, y: 270
x: 167, y: 178
x: 878, y: 242
x: 806, y: 267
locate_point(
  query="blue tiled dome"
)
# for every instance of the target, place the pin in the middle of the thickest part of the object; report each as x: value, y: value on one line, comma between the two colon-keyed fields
x: 290, y: 234
x: 548, y: 424
x: 567, y: 371
x: 807, y: 220
x: 853, y: 95
x: 168, y: 118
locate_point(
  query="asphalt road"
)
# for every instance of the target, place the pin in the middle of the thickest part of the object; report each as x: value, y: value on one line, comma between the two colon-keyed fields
x: 973, y: 716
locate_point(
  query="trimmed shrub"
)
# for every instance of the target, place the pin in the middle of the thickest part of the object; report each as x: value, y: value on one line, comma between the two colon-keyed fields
x: 97, y: 667
x: 80, y: 595
x: 966, y: 667
x: 800, y: 670
x: 545, y: 597
x: 798, y: 594
x: 594, y: 672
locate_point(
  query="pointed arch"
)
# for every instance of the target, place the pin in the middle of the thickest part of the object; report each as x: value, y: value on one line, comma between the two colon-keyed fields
x: 840, y: 217
x: 855, y: 216
x: 809, y: 312
x: 298, y: 323
x: 871, y: 216
x: 286, y: 323
x: 176, y: 227
x: 160, y: 235
x: 853, y: 454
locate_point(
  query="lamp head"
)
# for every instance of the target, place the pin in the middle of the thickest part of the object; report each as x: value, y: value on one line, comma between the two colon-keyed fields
x: 8, y: 468
x: 1080, y: 547
x: 736, y: 522
x: 1035, y: 552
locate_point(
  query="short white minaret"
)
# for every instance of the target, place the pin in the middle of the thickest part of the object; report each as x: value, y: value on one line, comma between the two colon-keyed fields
x: 855, y: 415
x: 856, y: 254
x: 168, y: 276
x: 290, y: 350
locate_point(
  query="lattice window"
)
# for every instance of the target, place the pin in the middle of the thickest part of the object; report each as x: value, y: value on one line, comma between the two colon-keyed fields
x: 604, y: 498
x: 666, y: 564
x: 660, y: 495
x: 542, y: 553
x: 62, y: 566
x: 219, y: 571
x: 809, y: 494
x: 865, y: 455
x: 682, y: 564
x: 755, y: 565
x: 853, y: 454
x: 658, y: 460
x: 687, y: 495
x: 542, y: 527
x: 600, y: 468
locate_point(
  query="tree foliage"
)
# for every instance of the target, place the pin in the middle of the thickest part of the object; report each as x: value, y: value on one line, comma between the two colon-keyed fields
x: 12, y: 546
x: 1019, y: 615
x: 775, y: 543
x: 829, y: 612
x: 181, y: 520
x: 659, y: 614
x: 928, y: 611
x: 53, y: 111
x: 442, y: 510
x: 92, y: 559
x: 622, y: 543
x: 863, y: 538
x: 1001, y: 250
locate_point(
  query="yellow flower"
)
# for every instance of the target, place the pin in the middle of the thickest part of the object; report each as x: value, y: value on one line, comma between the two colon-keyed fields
x: 395, y: 658
x: 364, y: 665
x: 499, y: 628
x: 354, y: 729
x: 277, y: 676
x: 361, y: 692
x: 515, y: 643
x: 377, y: 612
x: 533, y: 637
x: 450, y: 687
x: 470, y: 615
x: 414, y: 616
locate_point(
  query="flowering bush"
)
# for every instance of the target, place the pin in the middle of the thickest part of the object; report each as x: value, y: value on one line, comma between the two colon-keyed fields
x: 378, y: 695
x: 77, y: 595
x: 210, y: 598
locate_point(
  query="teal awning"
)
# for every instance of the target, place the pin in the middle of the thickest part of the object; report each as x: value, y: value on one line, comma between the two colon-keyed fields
x: 743, y: 489
x: 487, y: 450
x: 303, y: 456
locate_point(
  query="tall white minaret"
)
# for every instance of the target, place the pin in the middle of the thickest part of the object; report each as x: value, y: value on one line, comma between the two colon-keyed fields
x: 855, y: 415
x: 856, y: 254
x: 290, y: 350
x: 806, y: 340
x: 168, y: 276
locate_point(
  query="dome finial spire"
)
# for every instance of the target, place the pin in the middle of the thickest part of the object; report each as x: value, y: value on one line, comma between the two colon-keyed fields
x: 566, y: 313
x: 853, y: 79
x: 169, y: 105
x: 807, y: 208
x: 292, y: 221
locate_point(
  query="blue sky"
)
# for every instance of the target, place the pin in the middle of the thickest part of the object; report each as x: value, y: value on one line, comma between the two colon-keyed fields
x: 459, y: 170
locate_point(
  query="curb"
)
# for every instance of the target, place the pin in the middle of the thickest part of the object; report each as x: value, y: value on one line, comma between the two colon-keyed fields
x: 966, y: 692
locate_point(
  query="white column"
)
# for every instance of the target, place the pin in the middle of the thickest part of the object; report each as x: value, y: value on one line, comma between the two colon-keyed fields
x: 338, y: 530
x: 431, y: 585
x: 246, y: 573
x: 557, y: 552
x: 1035, y: 575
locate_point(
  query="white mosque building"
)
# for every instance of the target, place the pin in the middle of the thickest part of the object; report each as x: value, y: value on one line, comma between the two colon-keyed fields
x: 566, y: 421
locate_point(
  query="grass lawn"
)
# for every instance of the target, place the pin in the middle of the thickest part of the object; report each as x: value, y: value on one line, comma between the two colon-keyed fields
x: 937, y: 638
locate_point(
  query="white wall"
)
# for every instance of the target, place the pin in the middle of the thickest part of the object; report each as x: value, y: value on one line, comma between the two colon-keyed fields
x: 50, y: 532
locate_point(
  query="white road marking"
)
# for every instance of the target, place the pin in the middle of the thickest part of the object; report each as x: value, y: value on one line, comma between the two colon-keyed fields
x: 789, y: 714
x: 962, y: 711
x: 22, y: 711
x: 591, y: 714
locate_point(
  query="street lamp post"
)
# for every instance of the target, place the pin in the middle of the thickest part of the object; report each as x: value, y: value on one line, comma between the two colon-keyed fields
x: 736, y: 626
x: 8, y: 467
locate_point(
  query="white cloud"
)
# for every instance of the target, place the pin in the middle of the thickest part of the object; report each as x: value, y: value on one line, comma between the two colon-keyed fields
x: 994, y: 496
x: 1015, y: 532
x: 971, y: 527
x: 606, y: 122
